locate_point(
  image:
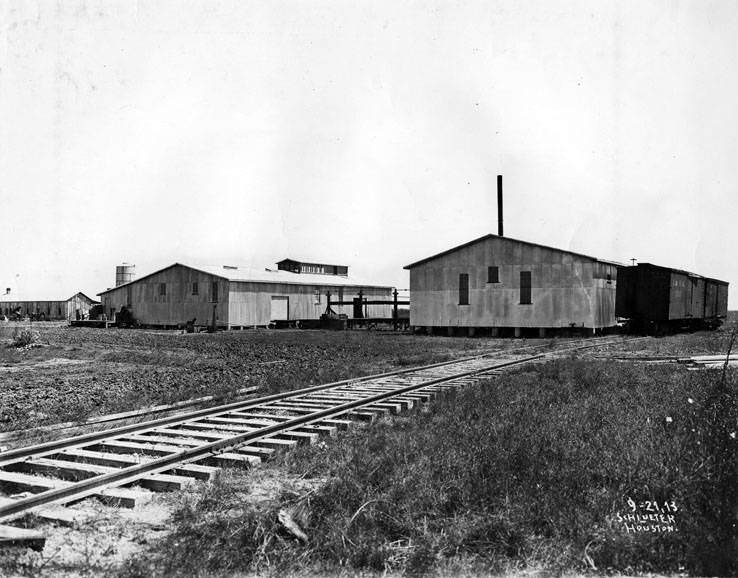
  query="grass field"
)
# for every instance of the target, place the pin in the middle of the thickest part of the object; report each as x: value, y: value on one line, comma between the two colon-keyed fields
x: 530, y: 472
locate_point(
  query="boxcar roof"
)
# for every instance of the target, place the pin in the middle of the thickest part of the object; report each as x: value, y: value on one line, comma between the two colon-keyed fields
x: 682, y: 271
x: 491, y: 236
x: 251, y: 275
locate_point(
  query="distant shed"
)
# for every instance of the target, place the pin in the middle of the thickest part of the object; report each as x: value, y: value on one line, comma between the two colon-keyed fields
x: 295, y: 266
x: 503, y: 283
x: 45, y: 307
x: 240, y: 297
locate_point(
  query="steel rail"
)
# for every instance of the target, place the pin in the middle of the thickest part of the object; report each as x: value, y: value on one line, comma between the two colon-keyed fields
x: 18, y: 454
x: 130, y: 474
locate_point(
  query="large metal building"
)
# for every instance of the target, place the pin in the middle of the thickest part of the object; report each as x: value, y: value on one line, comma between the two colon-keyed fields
x: 44, y: 307
x: 240, y: 297
x: 502, y: 283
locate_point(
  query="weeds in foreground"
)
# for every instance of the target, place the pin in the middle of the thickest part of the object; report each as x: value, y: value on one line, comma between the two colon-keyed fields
x: 24, y: 337
x: 529, y: 471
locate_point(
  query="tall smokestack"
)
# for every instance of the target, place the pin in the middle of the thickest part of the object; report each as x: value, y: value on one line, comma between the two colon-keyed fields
x: 499, y: 206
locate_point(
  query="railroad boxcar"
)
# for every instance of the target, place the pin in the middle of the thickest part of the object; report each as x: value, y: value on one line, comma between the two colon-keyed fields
x: 656, y: 299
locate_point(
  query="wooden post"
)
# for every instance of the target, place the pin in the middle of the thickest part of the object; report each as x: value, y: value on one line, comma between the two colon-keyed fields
x: 328, y: 298
x: 394, y: 308
x: 450, y: 331
x: 495, y: 332
x: 470, y: 331
x: 518, y: 331
x: 214, y: 324
x: 541, y: 332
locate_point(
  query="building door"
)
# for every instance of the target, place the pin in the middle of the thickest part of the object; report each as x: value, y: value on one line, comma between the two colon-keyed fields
x: 280, y: 309
x: 358, y: 309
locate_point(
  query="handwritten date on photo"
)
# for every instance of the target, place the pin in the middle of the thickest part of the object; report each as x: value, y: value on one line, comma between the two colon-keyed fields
x: 649, y: 516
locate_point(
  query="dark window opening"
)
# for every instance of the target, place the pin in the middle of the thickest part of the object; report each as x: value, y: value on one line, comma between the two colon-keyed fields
x: 195, y: 288
x: 162, y: 288
x: 609, y: 279
x: 493, y: 274
x: 525, y: 288
x: 463, y: 289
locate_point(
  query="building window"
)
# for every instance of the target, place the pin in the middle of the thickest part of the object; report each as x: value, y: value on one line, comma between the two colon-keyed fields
x: 162, y: 288
x: 464, y: 289
x: 214, y: 292
x: 493, y: 274
x: 195, y: 288
x: 525, y: 288
x: 609, y: 278
x: 317, y: 296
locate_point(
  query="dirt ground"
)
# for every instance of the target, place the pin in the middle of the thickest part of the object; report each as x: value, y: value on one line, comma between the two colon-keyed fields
x: 72, y: 374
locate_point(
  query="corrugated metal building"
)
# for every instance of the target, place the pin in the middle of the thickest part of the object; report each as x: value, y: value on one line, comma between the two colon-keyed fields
x: 43, y: 307
x: 499, y: 282
x: 240, y: 297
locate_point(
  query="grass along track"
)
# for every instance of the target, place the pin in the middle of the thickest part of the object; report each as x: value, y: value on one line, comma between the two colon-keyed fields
x: 178, y: 449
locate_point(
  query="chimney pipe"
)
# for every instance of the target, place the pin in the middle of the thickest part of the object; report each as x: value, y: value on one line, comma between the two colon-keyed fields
x: 499, y: 206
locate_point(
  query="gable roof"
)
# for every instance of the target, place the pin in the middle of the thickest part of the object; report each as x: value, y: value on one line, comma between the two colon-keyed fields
x: 491, y: 236
x: 252, y: 275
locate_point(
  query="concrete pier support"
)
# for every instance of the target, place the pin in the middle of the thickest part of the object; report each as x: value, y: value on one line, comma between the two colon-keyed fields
x: 450, y: 331
x: 495, y: 332
x: 518, y: 331
x: 470, y: 332
x: 541, y: 332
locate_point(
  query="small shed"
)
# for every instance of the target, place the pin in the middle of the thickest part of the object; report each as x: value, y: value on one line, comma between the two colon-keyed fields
x: 503, y: 283
x: 240, y: 297
x: 45, y: 307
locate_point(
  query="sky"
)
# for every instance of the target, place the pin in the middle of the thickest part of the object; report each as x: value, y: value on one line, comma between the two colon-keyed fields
x: 366, y: 133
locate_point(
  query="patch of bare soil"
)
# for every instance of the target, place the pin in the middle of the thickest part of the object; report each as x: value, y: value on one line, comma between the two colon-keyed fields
x: 96, y: 543
x: 53, y: 362
x: 102, y: 538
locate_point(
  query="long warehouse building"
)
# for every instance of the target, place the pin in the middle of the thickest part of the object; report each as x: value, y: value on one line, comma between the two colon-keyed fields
x: 242, y: 297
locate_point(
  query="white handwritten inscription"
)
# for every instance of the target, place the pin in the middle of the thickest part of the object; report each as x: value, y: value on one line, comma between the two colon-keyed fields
x: 649, y: 516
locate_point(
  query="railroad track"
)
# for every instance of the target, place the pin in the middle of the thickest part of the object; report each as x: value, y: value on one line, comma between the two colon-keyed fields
x: 118, y: 465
